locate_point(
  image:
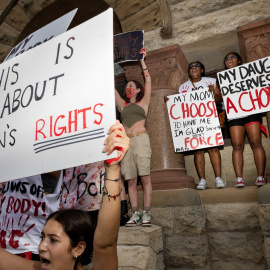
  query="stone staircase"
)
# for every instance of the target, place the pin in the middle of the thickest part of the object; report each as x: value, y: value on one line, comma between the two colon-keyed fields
x: 225, y: 229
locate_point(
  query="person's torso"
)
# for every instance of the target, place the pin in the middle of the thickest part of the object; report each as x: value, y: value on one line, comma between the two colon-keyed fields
x: 132, y: 114
x: 82, y: 187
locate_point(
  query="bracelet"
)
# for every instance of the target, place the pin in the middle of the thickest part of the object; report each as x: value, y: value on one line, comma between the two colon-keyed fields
x: 115, y: 180
x: 145, y: 68
x: 105, y: 192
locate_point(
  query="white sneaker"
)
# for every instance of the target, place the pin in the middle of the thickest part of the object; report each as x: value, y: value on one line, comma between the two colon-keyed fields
x: 202, y: 184
x: 220, y: 183
x: 146, y: 219
x: 260, y: 181
x: 135, y: 220
x: 239, y: 182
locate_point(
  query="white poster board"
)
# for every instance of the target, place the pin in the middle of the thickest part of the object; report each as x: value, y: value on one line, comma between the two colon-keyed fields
x: 194, y: 121
x: 246, y: 88
x: 57, y: 101
x: 42, y: 35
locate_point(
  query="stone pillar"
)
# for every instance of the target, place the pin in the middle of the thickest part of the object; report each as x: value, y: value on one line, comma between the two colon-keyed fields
x: 254, y: 43
x: 168, y: 69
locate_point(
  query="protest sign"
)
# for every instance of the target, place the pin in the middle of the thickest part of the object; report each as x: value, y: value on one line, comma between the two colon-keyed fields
x: 194, y: 121
x: 42, y: 35
x: 127, y: 46
x: 56, y: 106
x: 246, y: 88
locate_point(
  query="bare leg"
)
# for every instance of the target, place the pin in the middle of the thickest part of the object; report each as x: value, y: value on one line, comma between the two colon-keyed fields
x: 237, y: 136
x: 215, y: 160
x: 254, y: 136
x: 133, y: 194
x: 147, y: 191
x: 199, y: 163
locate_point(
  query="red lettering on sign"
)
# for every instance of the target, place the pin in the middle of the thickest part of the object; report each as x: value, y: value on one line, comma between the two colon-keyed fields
x: 195, y: 142
x: 100, y: 114
x: 77, y: 118
x: 230, y: 106
x: 171, y: 113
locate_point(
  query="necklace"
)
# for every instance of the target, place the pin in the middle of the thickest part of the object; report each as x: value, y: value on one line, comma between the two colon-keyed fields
x: 194, y: 85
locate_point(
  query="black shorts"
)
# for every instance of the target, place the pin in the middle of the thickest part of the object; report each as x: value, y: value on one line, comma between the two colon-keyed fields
x: 245, y: 120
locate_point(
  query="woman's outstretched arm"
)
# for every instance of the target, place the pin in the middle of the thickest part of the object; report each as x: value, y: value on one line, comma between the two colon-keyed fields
x: 105, y: 239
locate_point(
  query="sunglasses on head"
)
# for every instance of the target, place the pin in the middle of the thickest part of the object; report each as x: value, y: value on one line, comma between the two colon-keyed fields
x: 194, y: 65
x: 230, y: 57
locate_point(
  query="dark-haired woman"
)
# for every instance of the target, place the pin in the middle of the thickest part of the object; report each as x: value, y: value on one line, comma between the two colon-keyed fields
x: 196, y: 73
x: 69, y: 236
x: 134, y: 109
x: 251, y: 125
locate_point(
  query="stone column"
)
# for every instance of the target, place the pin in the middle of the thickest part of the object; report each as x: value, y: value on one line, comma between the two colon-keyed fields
x: 168, y: 69
x: 254, y: 40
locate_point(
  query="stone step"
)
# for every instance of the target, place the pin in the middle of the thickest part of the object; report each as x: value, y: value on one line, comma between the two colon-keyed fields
x: 191, y: 197
x: 229, y: 195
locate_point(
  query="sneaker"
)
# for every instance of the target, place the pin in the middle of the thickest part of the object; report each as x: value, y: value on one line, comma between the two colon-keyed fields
x: 146, y: 219
x: 135, y: 220
x: 260, y: 181
x: 220, y: 183
x: 239, y: 182
x: 202, y: 184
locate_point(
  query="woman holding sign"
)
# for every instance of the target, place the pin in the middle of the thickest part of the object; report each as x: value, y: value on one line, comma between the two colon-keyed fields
x: 238, y: 127
x: 134, y: 109
x: 196, y: 73
x: 69, y: 237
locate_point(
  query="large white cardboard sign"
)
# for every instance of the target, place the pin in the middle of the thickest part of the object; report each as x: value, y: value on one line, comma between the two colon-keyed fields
x: 194, y: 121
x: 246, y: 88
x: 42, y: 35
x: 57, y: 101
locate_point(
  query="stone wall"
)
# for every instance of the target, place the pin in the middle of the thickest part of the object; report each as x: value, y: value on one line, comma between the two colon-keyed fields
x: 212, y: 236
x: 207, y: 29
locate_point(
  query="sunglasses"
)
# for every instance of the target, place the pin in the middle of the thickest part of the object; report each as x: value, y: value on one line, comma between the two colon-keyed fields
x: 194, y: 65
x: 230, y: 57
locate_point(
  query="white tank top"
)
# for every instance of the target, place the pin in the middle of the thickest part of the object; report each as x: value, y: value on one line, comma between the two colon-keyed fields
x: 24, y: 210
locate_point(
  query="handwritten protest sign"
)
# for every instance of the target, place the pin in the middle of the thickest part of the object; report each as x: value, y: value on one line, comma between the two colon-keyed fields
x: 127, y: 46
x: 194, y: 121
x: 56, y: 106
x: 246, y: 88
x: 42, y: 35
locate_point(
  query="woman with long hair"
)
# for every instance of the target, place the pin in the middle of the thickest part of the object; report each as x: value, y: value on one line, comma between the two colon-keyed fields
x: 134, y: 109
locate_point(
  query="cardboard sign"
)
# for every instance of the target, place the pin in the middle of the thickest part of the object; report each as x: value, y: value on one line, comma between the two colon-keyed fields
x: 127, y: 46
x: 42, y: 35
x: 57, y: 101
x: 246, y: 88
x: 194, y: 121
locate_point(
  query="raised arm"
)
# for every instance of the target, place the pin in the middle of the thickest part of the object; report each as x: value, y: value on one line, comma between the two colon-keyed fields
x: 147, y: 78
x: 120, y: 103
x: 105, y: 239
